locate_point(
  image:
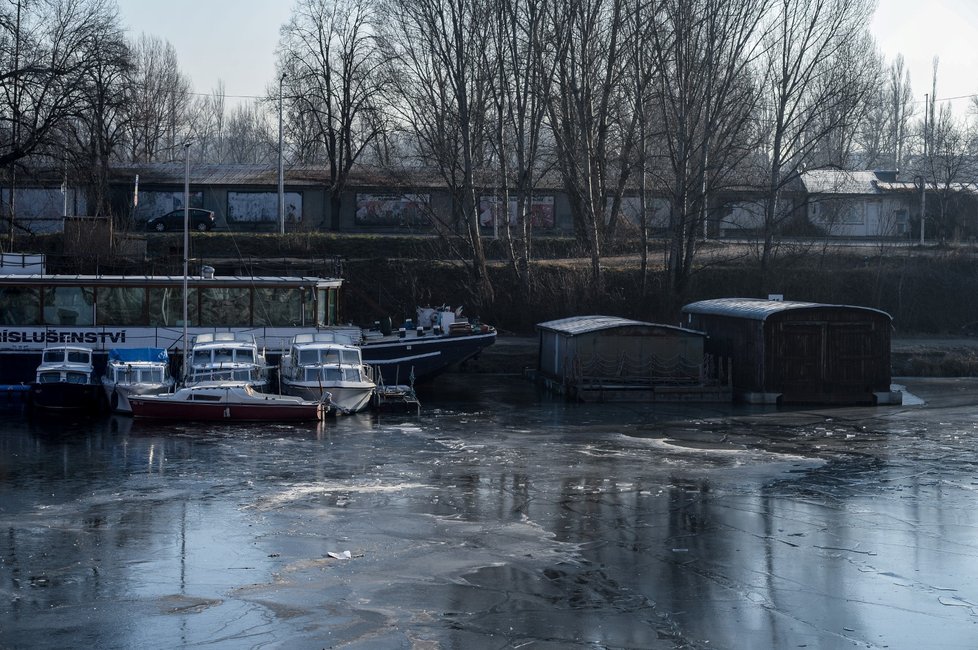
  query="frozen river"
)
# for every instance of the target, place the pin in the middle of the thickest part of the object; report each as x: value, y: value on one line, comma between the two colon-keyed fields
x: 499, y: 518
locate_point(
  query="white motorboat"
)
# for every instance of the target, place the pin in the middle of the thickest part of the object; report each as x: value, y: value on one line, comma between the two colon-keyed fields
x: 65, y: 380
x: 226, y: 356
x: 327, y: 362
x: 135, y: 371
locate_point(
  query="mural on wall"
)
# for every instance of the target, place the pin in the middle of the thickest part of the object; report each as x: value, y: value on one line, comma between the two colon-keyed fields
x: 41, y: 210
x: 262, y: 207
x: 393, y: 210
x: 151, y: 203
x: 541, y: 211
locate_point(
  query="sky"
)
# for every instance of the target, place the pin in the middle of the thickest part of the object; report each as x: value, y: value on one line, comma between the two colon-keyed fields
x: 235, y: 40
x: 229, y: 40
x: 923, y: 29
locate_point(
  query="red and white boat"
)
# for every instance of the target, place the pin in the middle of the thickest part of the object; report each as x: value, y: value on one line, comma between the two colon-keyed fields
x: 227, y: 402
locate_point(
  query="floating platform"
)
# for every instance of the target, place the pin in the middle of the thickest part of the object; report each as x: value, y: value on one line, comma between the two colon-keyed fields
x: 399, y: 398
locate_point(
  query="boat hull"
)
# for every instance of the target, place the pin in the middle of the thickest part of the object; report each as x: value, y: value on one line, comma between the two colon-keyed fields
x: 227, y: 412
x: 421, y: 358
x: 64, y: 396
x: 118, y: 395
x: 343, y: 398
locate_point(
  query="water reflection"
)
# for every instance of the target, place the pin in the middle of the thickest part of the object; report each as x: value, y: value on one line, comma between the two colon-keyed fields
x: 484, y: 525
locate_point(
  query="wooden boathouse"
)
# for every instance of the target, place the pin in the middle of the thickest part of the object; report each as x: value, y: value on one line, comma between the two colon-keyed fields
x: 606, y: 358
x: 799, y: 352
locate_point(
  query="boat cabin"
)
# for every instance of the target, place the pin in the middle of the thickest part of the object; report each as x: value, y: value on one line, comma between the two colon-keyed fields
x: 65, y: 364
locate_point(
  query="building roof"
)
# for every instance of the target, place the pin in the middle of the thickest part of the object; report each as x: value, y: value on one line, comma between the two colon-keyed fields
x: 840, y: 181
x: 760, y: 309
x: 576, y: 325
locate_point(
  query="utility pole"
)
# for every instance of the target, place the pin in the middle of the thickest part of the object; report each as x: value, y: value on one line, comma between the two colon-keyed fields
x: 923, y: 177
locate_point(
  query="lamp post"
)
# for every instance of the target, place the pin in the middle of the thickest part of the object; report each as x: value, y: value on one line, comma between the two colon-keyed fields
x: 281, y: 167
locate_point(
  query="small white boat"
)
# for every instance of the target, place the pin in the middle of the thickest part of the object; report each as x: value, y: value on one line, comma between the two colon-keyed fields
x: 65, y: 380
x: 327, y: 362
x: 135, y: 371
x: 227, y: 402
x: 226, y: 356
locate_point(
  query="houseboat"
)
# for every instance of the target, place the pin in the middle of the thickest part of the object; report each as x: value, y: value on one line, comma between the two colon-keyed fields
x: 115, y: 311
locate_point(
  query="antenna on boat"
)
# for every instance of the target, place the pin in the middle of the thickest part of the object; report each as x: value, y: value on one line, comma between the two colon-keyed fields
x: 186, y: 246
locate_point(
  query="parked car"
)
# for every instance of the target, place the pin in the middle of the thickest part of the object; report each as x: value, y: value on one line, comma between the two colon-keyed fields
x: 201, y: 220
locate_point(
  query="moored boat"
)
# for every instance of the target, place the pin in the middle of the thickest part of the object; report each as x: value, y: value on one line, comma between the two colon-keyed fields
x: 228, y: 357
x: 65, y: 380
x: 227, y: 402
x: 136, y: 371
x: 327, y: 362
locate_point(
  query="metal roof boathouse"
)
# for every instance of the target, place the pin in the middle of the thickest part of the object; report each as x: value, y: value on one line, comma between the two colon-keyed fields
x: 606, y: 358
x: 799, y: 352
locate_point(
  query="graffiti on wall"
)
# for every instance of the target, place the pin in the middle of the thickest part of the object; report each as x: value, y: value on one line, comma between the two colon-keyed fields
x: 262, y: 207
x: 392, y: 210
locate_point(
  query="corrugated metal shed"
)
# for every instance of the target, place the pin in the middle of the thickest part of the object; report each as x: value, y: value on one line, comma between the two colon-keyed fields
x: 799, y: 352
x: 607, y: 357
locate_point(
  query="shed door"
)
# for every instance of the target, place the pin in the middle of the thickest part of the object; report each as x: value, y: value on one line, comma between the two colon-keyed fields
x: 825, y: 361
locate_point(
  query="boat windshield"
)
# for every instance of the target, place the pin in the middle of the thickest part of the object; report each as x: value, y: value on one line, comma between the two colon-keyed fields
x: 151, y: 376
x: 223, y: 355
x: 308, y: 356
x: 350, y: 356
x: 78, y: 356
x: 76, y: 378
x: 49, y: 377
x: 53, y: 356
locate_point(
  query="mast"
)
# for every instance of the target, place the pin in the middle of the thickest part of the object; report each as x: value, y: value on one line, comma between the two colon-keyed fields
x: 186, y: 246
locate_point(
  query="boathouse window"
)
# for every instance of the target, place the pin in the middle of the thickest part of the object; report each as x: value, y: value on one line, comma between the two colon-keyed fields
x: 225, y: 306
x: 279, y: 307
x: 20, y: 306
x: 166, y: 307
x: 121, y: 306
x: 69, y: 306
x: 326, y: 307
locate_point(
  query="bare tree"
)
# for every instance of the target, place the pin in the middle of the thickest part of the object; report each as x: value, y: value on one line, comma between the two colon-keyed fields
x: 250, y: 137
x: 436, y: 48
x: 949, y: 166
x: 706, y: 99
x: 208, y: 126
x: 330, y: 60
x: 593, y: 124
x: 518, y: 90
x: 807, y: 41
x: 47, y: 46
x: 858, y: 68
x: 98, y: 130
x: 159, y: 102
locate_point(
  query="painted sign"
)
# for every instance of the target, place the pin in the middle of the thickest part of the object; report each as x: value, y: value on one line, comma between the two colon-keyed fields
x: 262, y: 207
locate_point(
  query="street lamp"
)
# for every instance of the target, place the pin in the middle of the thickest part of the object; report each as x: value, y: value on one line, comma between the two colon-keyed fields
x: 281, y: 168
